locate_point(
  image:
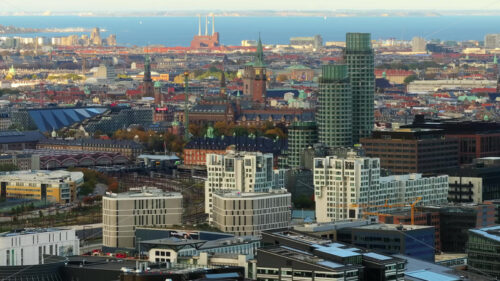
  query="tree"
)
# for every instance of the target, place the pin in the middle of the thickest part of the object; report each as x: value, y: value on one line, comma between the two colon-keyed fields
x: 410, y: 79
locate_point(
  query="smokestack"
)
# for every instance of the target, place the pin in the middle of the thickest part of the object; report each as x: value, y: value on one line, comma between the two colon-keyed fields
x: 199, y: 25
x: 206, y: 25
x: 213, y: 24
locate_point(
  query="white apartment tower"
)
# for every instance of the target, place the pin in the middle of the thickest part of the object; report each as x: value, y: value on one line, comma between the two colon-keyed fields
x: 347, y: 187
x: 241, y: 171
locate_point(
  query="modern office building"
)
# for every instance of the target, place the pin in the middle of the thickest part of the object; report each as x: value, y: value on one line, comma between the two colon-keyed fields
x: 428, y: 218
x: 52, y: 186
x: 418, y: 44
x: 292, y: 255
x: 29, y: 246
x: 412, y: 240
x: 335, y: 107
x: 476, y: 182
x: 301, y: 135
x: 483, y: 250
x: 242, y: 213
x: 348, y: 187
x: 476, y: 139
x: 404, y: 151
x: 456, y: 220
x: 359, y: 58
x: 241, y: 171
x: 123, y: 212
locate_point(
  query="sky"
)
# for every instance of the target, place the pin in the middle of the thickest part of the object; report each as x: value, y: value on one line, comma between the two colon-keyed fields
x: 169, y: 5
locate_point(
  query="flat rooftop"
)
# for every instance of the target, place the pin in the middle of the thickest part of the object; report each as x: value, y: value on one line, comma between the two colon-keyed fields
x: 144, y: 192
x: 492, y: 232
x: 30, y: 231
x: 395, y: 227
x: 41, y: 175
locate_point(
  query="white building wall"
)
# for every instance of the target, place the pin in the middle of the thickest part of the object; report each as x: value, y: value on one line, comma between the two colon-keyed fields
x: 345, y: 188
x: 28, y: 248
x: 241, y: 171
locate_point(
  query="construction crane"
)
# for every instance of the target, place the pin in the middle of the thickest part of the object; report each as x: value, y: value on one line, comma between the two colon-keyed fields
x: 386, y: 205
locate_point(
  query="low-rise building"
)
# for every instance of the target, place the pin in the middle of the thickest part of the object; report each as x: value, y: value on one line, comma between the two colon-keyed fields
x: 291, y: 255
x: 483, y: 250
x: 456, y: 220
x: 127, y: 148
x: 123, y: 212
x: 476, y: 182
x: 29, y: 246
x: 54, y: 186
x: 411, y: 240
x: 243, y: 213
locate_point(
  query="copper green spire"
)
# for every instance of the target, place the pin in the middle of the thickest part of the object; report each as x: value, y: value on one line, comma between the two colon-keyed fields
x: 259, y: 56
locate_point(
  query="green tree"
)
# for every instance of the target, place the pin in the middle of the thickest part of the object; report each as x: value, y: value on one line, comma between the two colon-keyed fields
x: 410, y: 79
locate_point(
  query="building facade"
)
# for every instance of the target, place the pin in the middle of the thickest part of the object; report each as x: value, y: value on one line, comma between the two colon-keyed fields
x: 123, y: 212
x: 251, y: 213
x: 347, y: 187
x: 51, y: 186
x: 241, y: 171
x: 291, y: 255
x: 28, y: 246
x: 483, y: 250
x: 406, y: 151
x: 359, y: 58
x: 301, y: 135
x: 412, y: 240
x: 335, y: 107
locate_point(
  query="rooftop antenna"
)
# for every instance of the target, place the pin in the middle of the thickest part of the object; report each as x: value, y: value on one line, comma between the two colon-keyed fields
x: 199, y: 25
x: 213, y: 24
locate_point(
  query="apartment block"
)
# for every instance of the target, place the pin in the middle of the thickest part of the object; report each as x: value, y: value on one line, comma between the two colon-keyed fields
x: 123, y: 212
x: 251, y: 213
x: 348, y: 187
x: 241, y: 171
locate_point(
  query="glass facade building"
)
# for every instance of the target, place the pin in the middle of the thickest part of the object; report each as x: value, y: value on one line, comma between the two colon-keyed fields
x: 301, y: 135
x: 359, y: 58
x: 334, y: 115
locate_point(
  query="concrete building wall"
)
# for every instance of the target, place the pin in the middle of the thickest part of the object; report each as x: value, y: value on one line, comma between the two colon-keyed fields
x: 121, y: 215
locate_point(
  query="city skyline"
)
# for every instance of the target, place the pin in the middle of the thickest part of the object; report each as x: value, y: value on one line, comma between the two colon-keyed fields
x: 226, y: 5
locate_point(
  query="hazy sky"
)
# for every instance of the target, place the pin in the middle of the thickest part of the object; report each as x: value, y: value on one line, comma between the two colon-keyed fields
x: 165, y: 5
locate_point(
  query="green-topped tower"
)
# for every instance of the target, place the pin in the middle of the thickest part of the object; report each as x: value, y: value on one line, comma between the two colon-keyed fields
x: 255, y: 78
x: 334, y: 116
x: 359, y: 57
x: 147, y: 82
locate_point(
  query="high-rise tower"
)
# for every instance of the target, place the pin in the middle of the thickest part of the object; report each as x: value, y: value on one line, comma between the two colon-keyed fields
x: 147, y: 82
x: 359, y: 57
x: 334, y: 116
x: 255, y: 78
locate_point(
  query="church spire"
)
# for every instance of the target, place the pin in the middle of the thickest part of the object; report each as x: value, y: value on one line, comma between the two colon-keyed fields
x: 259, y: 56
